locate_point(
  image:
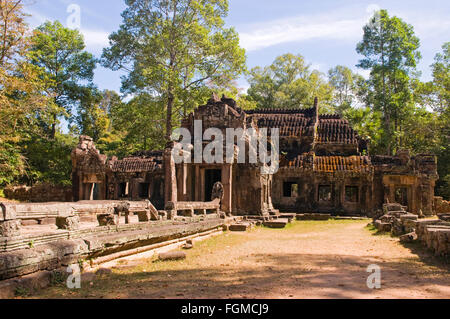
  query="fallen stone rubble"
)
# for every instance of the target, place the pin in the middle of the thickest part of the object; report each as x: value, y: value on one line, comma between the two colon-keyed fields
x: 434, y: 233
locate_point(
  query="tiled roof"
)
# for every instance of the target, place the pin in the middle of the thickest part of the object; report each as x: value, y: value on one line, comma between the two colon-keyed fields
x: 136, y: 164
x: 332, y: 164
x: 335, y: 130
x: 310, y: 112
x: 290, y: 125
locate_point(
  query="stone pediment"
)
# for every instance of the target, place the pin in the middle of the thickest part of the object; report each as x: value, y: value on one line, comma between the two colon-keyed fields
x: 221, y: 114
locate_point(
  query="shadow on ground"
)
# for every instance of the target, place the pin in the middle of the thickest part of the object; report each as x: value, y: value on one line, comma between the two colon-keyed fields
x: 276, y: 276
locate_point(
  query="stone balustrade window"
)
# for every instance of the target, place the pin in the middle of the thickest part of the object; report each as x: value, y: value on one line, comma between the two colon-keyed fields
x: 290, y: 189
x: 325, y: 193
x: 351, y: 194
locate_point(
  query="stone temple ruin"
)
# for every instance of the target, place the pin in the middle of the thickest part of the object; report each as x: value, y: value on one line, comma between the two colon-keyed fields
x: 127, y: 206
x: 325, y: 167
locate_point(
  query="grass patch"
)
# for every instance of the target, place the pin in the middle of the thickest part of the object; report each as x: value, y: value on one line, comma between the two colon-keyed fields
x: 21, y: 292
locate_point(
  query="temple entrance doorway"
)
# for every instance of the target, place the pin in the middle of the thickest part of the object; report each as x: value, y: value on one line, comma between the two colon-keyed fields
x: 401, y: 196
x: 212, y: 176
x: 95, y: 192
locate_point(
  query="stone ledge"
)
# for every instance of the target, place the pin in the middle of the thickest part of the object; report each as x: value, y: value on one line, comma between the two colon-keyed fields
x: 56, y: 254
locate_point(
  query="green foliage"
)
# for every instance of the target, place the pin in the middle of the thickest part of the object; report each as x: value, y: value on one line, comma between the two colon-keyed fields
x: 171, y: 48
x: 441, y: 79
x: 59, y: 52
x: 367, y: 123
x: 93, y: 118
x: 347, y: 87
x: 12, y: 163
x: 57, y: 278
x: 289, y: 83
x: 390, y: 51
x: 22, y: 291
x: 136, y: 126
x: 49, y: 159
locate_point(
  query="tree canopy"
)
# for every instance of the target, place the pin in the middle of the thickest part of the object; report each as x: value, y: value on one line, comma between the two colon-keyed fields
x: 288, y: 83
x: 175, y: 53
x: 171, y: 48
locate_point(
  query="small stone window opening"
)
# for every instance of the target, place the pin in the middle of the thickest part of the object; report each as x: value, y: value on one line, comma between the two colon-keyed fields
x: 325, y: 193
x: 351, y: 194
x: 290, y: 189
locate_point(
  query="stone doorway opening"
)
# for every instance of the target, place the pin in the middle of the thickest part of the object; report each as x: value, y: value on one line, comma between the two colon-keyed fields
x: 401, y: 196
x: 212, y: 176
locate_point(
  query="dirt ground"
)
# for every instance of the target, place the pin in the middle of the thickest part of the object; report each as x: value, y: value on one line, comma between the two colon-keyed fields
x: 305, y: 260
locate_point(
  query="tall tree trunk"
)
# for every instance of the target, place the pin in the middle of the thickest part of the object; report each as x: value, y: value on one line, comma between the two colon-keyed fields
x: 170, y: 101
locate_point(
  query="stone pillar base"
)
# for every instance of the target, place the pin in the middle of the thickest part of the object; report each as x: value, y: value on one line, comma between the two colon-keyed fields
x: 171, y: 214
x: 147, y: 215
x: 10, y: 228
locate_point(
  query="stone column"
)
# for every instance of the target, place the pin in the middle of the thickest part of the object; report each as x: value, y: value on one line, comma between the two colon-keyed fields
x: 182, y: 177
x: 197, y: 197
x: 170, y: 181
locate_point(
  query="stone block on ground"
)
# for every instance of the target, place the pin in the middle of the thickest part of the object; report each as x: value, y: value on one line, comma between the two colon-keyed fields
x: 409, y: 217
x: 240, y: 227
x: 382, y: 226
x: 288, y: 216
x: 172, y: 255
x: 408, y: 238
x: 107, y: 220
x: 277, y: 223
x: 187, y: 246
x: 68, y: 223
x: 10, y: 228
x: 147, y: 215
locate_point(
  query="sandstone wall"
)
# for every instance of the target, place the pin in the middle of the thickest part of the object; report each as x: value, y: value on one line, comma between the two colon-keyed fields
x: 441, y: 206
x: 40, y: 193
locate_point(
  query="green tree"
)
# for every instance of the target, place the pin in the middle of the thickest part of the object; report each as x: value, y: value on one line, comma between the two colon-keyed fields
x: 441, y: 79
x: 68, y: 68
x: 346, y: 85
x: 171, y: 48
x: 20, y: 91
x: 289, y: 83
x: 137, y: 125
x: 93, y: 115
x: 390, y: 51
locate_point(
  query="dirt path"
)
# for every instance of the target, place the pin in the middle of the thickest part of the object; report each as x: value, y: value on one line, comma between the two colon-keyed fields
x: 306, y: 260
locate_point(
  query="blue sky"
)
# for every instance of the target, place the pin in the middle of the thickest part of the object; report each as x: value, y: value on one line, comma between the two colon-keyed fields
x: 325, y: 32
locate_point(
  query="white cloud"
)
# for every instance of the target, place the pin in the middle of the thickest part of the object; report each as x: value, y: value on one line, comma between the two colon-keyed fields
x: 298, y: 29
x: 364, y: 73
x: 343, y: 25
x: 95, y: 39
